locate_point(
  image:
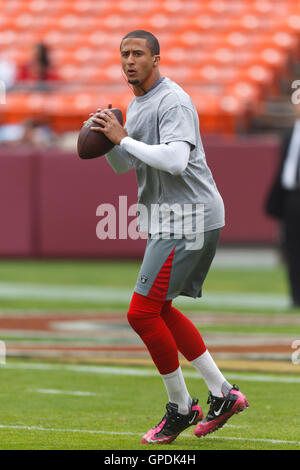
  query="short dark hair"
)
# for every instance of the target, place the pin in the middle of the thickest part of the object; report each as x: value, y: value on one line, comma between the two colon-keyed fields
x: 152, y: 41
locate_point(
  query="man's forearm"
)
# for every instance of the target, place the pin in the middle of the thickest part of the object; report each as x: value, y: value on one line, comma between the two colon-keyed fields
x: 172, y: 157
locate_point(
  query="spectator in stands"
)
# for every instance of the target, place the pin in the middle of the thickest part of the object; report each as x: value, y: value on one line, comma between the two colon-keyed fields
x: 8, y: 72
x: 30, y: 133
x: 38, y: 72
x: 283, y: 203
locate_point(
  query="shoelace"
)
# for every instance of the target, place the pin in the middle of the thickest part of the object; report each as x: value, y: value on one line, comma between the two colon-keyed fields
x: 212, y: 399
x: 172, y: 411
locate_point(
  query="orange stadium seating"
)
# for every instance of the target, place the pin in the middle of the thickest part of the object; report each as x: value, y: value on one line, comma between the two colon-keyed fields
x: 228, y: 54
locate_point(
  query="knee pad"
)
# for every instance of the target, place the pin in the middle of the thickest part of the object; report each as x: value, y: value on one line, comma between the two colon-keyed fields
x: 142, y: 310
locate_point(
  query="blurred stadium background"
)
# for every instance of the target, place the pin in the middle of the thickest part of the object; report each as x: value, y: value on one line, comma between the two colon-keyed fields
x: 237, y: 59
x: 64, y: 292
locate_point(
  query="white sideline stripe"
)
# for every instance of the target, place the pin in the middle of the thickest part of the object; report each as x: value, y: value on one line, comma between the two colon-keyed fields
x: 87, y: 431
x: 130, y: 371
x: 117, y: 294
x: 270, y: 441
x: 118, y: 433
x: 62, y: 392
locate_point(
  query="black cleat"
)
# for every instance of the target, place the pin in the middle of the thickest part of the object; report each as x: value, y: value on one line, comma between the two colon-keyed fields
x: 221, y: 409
x: 172, y: 424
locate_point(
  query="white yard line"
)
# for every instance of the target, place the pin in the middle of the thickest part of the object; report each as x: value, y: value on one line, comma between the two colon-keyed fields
x: 120, y: 295
x: 133, y: 372
x: 86, y: 431
x: 49, y: 391
x: 119, y: 433
x: 136, y: 372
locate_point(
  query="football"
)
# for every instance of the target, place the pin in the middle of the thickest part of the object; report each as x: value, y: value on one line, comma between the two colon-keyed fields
x: 92, y: 144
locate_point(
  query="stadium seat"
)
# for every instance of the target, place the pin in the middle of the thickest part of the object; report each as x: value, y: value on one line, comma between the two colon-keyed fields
x: 227, y: 53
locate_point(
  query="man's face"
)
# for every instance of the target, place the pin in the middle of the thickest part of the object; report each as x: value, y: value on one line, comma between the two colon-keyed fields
x: 137, y: 61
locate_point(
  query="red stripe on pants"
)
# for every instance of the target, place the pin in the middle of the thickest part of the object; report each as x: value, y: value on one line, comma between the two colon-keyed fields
x: 160, y: 286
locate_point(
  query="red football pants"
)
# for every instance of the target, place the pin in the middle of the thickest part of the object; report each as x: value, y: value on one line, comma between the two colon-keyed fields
x: 165, y: 331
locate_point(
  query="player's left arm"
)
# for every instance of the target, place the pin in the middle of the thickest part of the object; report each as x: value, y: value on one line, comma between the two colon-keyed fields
x: 171, y: 157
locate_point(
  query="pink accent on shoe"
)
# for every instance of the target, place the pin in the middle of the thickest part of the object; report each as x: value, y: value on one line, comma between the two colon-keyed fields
x: 206, y: 427
x: 200, y: 417
x: 160, y: 440
x: 149, y: 437
x: 241, y: 402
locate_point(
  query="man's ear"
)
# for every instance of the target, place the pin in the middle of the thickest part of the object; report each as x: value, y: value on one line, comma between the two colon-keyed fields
x: 156, y: 60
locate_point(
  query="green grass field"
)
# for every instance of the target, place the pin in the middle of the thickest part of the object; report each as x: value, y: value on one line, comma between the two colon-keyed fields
x: 61, y: 405
x: 45, y: 408
x: 120, y: 277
